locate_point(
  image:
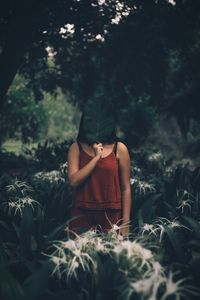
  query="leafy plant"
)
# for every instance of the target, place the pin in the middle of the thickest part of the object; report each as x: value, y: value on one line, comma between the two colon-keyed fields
x: 98, y: 122
x: 165, y: 235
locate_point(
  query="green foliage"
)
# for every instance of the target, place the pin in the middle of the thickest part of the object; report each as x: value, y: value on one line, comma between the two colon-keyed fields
x: 136, y: 120
x: 22, y: 116
x: 98, y: 120
x: 35, y: 285
x: 48, y: 155
x: 90, y: 56
x: 54, y: 118
x: 63, y: 117
x: 156, y: 41
x: 10, y: 288
x: 34, y: 236
x: 181, y: 90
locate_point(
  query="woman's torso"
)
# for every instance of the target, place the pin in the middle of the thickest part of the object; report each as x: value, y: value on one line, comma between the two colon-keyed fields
x: 101, y: 189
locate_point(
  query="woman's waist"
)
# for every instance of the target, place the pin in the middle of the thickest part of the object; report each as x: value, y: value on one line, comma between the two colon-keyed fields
x: 97, y: 206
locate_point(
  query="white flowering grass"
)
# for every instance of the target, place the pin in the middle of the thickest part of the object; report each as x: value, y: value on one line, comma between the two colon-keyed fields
x: 157, y: 156
x: 80, y: 253
x: 133, y: 259
x: 158, y: 287
x: 18, y: 205
x: 157, y: 228
x: 185, y: 200
x: 179, y: 289
x: 64, y: 168
x: 50, y: 177
x: 131, y: 256
x: 73, y: 255
x: 145, y: 276
x: 149, y: 229
x: 148, y: 287
x: 142, y: 187
x: 169, y: 171
x: 18, y: 197
x: 163, y: 222
x: 18, y: 187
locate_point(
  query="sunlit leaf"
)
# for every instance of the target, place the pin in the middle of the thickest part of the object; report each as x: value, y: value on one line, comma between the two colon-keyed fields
x: 98, y: 121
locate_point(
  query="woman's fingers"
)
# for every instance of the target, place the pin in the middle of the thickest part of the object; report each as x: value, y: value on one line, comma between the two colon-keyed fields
x: 98, y: 145
x: 98, y: 148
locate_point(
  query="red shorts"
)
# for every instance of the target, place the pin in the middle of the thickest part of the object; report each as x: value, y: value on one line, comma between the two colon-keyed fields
x: 89, y: 219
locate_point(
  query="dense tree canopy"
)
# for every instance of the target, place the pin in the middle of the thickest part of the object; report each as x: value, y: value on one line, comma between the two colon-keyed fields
x: 134, y: 51
x: 28, y: 27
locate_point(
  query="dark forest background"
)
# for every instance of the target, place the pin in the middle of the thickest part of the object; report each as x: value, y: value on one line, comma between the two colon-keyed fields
x: 144, y: 56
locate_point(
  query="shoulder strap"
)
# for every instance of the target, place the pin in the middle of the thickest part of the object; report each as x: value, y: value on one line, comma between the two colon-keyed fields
x: 115, y: 148
x: 79, y: 145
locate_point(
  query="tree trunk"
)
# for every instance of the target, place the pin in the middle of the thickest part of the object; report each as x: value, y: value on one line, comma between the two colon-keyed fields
x: 19, y: 36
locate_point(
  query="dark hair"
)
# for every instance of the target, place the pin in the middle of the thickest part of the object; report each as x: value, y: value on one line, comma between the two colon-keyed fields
x: 81, y: 137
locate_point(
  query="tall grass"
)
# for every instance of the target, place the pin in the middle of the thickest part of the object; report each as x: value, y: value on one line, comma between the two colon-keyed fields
x: 158, y: 260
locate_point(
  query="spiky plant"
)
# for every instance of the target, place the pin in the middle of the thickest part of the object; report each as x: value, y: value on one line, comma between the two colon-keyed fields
x: 145, y: 276
x: 142, y: 187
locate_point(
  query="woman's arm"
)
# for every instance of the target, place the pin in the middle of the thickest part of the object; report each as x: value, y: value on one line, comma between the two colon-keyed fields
x: 75, y: 175
x: 124, y: 169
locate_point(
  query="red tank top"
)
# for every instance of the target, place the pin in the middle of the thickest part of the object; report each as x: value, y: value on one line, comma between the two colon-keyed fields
x: 101, y: 189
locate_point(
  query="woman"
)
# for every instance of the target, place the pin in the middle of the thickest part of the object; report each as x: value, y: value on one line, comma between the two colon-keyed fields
x: 99, y: 174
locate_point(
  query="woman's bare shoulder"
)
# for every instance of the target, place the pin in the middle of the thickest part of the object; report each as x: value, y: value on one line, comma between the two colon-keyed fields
x: 122, y: 151
x: 74, y: 147
x: 122, y: 147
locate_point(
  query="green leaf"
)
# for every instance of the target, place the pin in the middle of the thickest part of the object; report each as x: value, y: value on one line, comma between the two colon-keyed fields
x: 170, y: 207
x: 4, y: 224
x: 147, y: 205
x: 36, y: 284
x: 195, y: 226
x: 175, y: 243
x: 55, y: 233
x: 98, y: 120
x: 26, y: 230
x: 27, y: 223
x: 10, y: 288
x: 140, y: 218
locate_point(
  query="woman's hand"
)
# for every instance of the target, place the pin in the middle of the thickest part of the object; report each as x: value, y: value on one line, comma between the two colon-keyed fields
x: 98, y: 149
x: 124, y: 230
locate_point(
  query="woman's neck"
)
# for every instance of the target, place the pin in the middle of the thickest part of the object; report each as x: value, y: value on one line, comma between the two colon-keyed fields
x: 103, y: 144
